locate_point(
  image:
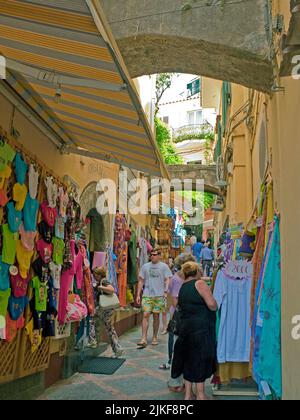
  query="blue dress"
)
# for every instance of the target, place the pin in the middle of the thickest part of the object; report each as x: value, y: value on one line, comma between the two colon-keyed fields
x: 268, y: 362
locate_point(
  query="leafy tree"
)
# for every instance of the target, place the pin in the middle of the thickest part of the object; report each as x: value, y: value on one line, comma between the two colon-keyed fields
x: 163, y: 83
x: 165, y: 144
x: 204, y: 200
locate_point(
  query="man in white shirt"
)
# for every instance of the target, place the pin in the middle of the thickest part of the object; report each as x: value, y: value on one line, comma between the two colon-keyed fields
x: 154, y: 278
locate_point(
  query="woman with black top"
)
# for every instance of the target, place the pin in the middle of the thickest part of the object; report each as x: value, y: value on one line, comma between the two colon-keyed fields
x: 195, y: 349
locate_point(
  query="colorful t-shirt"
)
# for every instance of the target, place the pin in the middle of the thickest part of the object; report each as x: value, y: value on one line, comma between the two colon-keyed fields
x: 5, y: 174
x: 46, y: 231
x: 4, y: 276
x: 24, y: 258
x: 35, y: 336
x: 33, y: 176
x: 41, y: 270
x: 19, y: 285
x: 16, y: 307
x: 14, y: 217
x: 12, y: 327
x: 4, y: 298
x: 55, y: 271
x: 40, y: 291
x: 31, y: 208
x: 27, y: 238
x: 63, y: 202
x: 21, y: 169
x: 7, y: 154
x: 60, y: 227
x: 52, y: 192
x: 9, y: 245
x: 49, y: 214
x: 19, y: 195
x: 45, y: 250
x: 58, y: 251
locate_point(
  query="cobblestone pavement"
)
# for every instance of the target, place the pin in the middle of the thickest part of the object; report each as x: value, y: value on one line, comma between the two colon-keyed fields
x: 138, y: 379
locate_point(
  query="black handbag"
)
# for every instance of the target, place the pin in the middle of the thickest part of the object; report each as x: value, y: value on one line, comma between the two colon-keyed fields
x: 175, y: 323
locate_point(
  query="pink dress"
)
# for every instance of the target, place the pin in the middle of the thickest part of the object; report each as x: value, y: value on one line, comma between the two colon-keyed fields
x: 65, y: 286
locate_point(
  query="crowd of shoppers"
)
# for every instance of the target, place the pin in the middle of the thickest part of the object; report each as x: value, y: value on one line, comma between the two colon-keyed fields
x: 192, y: 351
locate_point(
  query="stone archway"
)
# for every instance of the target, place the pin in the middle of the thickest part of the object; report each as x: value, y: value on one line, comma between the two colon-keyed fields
x: 197, y: 37
x: 88, y: 200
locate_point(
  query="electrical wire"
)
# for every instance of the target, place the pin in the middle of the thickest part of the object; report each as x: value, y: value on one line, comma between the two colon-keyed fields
x: 229, y: 3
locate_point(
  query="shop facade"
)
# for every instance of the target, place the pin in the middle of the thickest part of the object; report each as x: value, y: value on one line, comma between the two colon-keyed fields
x: 72, y: 127
x: 259, y: 140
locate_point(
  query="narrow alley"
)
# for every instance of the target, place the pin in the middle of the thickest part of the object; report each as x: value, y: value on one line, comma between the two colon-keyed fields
x: 149, y: 158
x: 139, y: 378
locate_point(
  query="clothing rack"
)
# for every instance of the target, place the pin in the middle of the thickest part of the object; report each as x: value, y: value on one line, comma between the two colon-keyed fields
x: 239, y: 389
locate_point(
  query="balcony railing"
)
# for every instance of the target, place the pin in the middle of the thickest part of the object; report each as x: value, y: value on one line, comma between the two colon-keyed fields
x: 192, y: 132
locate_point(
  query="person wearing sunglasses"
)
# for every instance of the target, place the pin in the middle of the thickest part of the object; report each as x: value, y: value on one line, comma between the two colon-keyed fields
x: 154, y: 280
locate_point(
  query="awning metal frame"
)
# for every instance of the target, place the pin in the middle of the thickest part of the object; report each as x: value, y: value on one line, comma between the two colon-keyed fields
x: 58, y: 80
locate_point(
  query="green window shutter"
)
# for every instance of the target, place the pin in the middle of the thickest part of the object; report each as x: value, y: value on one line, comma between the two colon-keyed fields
x: 194, y: 87
x: 218, y: 149
x: 226, y: 101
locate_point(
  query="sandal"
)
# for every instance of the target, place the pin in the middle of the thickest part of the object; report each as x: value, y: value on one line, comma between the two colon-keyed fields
x: 155, y: 343
x: 164, y: 332
x: 142, y: 344
x: 165, y: 366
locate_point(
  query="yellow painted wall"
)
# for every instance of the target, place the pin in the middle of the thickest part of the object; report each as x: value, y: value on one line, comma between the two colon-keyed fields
x: 211, y: 93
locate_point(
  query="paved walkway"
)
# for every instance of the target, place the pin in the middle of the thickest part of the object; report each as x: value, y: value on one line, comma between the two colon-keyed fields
x: 138, y: 379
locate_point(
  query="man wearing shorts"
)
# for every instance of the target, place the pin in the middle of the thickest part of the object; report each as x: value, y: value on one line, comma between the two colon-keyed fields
x: 154, y: 278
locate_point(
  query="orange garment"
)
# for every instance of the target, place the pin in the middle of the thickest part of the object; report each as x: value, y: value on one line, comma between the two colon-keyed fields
x: 3, y: 198
x: 122, y: 280
x: 12, y: 327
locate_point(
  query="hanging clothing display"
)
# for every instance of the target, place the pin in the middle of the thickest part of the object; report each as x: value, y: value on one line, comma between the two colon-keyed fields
x: 111, y: 269
x: 121, y: 252
x: 258, y: 257
x: 97, y: 231
x: 55, y: 268
x: 233, y: 298
x: 132, y: 259
x: 267, y: 364
x: 99, y: 259
x: 33, y: 181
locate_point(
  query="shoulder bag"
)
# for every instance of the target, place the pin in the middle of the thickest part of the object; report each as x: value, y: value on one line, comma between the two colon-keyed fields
x: 174, y: 325
x: 108, y: 301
